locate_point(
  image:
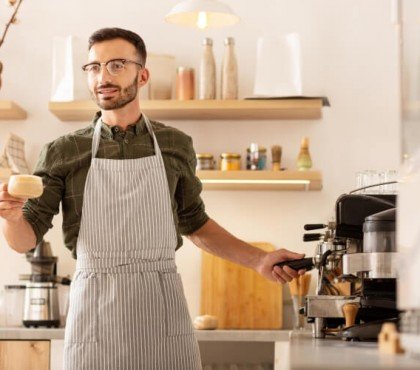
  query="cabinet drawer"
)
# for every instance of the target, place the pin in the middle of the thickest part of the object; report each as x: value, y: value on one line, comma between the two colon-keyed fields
x: 24, y: 355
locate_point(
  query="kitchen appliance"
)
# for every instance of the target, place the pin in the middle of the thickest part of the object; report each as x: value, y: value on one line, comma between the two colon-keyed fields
x: 41, y: 307
x: 356, y: 262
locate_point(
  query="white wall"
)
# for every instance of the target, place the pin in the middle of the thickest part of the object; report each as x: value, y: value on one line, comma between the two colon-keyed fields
x: 349, y: 55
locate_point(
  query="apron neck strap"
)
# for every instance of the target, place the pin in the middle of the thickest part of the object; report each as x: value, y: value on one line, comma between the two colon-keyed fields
x: 97, y: 136
x: 152, y: 134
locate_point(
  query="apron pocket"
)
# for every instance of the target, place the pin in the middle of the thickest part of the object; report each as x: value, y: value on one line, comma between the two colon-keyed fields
x: 81, y: 326
x: 178, y: 320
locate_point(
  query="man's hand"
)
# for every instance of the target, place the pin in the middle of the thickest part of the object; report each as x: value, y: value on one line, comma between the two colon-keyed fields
x: 10, y: 207
x: 18, y: 233
x: 282, y: 275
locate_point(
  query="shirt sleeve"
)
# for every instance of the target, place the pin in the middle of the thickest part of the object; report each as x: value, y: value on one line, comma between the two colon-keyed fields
x: 191, y: 209
x: 39, y: 212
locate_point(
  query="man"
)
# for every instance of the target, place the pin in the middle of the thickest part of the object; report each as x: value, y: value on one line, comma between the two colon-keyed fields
x: 128, y: 191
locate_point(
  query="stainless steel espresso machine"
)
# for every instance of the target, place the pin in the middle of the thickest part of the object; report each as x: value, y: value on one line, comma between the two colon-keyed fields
x: 41, y: 296
x: 356, y: 263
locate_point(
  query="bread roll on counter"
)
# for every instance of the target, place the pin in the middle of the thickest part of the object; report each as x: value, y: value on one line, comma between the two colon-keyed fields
x: 205, y: 322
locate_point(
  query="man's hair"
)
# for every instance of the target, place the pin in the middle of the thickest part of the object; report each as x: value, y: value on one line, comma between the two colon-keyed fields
x: 106, y: 34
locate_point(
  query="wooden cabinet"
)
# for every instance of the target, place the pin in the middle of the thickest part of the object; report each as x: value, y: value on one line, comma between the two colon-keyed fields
x: 24, y: 355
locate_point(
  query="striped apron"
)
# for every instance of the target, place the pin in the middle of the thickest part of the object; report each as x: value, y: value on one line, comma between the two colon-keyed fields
x: 127, y: 305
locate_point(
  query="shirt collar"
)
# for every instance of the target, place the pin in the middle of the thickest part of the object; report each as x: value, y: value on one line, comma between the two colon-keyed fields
x: 106, y: 130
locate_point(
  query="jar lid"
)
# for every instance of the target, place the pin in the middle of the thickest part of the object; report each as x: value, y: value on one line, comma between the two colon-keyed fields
x: 230, y: 155
x: 204, y: 156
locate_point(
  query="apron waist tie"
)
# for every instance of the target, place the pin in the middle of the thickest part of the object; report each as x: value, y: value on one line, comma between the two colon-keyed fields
x: 89, y: 263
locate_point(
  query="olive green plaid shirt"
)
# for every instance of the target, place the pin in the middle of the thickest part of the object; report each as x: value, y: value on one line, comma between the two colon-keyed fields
x: 64, y: 163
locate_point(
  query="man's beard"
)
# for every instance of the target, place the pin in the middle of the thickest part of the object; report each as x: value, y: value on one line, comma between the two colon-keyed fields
x: 127, y: 96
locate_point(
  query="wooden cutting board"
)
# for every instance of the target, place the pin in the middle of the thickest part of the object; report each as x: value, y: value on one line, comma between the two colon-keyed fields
x: 239, y: 297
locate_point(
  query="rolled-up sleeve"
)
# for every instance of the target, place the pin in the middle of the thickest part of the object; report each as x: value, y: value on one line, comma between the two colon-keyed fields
x: 39, y: 212
x: 191, y: 209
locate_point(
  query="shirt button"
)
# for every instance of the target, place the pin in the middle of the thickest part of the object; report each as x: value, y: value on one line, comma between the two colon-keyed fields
x: 117, y: 129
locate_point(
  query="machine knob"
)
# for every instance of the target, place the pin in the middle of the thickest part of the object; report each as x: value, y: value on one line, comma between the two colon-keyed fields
x: 310, y: 237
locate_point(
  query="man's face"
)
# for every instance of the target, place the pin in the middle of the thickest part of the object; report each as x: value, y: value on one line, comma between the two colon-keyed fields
x: 114, y: 92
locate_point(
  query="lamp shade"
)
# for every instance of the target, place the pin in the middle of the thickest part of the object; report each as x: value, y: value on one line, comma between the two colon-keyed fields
x: 202, y: 14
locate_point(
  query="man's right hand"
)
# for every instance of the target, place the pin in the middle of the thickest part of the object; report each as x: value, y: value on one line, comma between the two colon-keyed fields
x: 10, y: 207
x: 18, y: 233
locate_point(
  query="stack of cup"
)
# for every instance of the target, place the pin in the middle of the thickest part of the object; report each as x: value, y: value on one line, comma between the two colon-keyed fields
x: 373, y: 177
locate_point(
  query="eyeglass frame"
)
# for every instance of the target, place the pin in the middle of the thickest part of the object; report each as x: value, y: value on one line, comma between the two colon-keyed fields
x: 109, y: 61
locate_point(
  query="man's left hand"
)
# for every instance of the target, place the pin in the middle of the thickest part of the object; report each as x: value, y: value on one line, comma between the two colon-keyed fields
x: 275, y: 273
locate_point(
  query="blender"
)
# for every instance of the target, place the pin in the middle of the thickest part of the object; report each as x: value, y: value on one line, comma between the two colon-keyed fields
x: 41, y: 305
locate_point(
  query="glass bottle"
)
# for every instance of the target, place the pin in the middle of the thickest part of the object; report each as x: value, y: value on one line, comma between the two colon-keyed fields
x: 229, y: 71
x: 207, y: 87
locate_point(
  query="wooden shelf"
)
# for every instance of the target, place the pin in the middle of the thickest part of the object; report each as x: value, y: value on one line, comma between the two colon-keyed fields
x: 11, y: 111
x: 203, y: 109
x: 261, y: 180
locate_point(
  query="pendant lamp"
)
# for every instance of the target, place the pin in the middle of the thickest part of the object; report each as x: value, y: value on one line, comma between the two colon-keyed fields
x: 202, y: 14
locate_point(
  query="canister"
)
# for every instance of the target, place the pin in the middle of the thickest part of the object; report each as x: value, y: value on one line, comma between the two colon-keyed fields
x: 185, y: 83
x: 230, y: 161
x: 205, y: 161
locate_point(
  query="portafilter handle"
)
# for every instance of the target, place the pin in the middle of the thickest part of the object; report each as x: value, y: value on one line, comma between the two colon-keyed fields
x: 303, y: 263
x: 308, y: 227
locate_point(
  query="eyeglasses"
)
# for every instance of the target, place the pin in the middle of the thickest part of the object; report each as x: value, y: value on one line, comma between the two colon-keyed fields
x: 114, y: 66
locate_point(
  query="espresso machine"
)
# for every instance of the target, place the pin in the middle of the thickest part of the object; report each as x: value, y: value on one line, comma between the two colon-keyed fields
x: 41, y: 306
x: 356, y: 262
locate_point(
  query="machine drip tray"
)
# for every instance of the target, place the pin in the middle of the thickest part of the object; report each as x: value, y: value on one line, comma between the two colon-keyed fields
x: 364, y: 332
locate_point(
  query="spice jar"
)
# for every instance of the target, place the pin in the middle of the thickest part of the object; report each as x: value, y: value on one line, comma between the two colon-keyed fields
x: 230, y: 161
x: 205, y: 161
x: 256, y: 157
x: 185, y: 83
